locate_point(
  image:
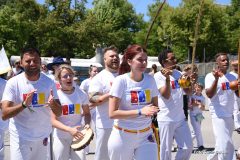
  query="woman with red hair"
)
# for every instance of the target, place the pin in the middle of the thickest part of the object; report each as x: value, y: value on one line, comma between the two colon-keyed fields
x: 133, y: 100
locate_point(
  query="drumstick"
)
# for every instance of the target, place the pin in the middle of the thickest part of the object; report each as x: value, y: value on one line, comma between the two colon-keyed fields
x: 196, y: 34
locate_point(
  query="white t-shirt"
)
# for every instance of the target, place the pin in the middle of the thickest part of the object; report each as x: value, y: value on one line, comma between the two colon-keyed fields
x: 71, y: 110
x: 30, y: 125
x: 221, y: 104
x: 195, y: 109
x: 3, y: 124
x: 134, y: 95
x: 102, y: 83
x: 85, y: 85
x: 170, y: 109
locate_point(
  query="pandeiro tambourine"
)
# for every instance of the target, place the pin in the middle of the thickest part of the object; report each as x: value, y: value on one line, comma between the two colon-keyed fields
x: 80, y: 144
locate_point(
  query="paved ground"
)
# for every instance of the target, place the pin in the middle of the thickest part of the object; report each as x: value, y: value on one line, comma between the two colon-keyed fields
x: 207, y: 135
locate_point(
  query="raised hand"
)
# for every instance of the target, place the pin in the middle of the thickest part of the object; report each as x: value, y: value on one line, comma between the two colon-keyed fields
x: 28, y: 100
x: 166, y: 72
x: 217, y: 73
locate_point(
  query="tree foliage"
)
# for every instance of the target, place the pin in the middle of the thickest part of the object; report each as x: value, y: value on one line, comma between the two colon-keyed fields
x: 174, y: 28
x: 69, y: 29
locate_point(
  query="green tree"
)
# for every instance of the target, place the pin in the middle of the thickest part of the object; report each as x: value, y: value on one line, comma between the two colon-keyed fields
x: 233, y: 24
x: 17, y: 24
x: 118, y: 21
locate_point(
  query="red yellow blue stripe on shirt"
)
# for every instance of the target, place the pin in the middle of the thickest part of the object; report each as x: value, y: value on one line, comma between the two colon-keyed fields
x: 141, y: 96
x: 38, y: 99
x: 225, y: 86
x: 175, y: 84
x: 69, y: 109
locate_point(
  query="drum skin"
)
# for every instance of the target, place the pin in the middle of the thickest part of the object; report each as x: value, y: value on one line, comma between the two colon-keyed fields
x: 234, y: 85
x: 80, y: 144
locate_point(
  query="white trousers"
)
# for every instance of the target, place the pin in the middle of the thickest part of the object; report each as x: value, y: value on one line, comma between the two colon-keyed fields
x: 62, y: 150
x: 224, y: 149
x: 101, y: 150
x: 2, y: 144
x: 236, y: 113
x: 181, y: 132
x: 129, y: 146
x: 27, y: 150
x: 196, y: 133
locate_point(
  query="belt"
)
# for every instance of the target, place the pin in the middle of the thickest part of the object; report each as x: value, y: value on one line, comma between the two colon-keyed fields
x: 132, y: 131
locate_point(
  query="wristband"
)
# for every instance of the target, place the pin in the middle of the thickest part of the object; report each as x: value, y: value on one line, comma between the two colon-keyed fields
x: 23, y: 105
x: 139, y: 112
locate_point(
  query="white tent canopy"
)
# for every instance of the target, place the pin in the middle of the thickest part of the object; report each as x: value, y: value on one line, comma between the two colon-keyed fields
x: 75, y: 62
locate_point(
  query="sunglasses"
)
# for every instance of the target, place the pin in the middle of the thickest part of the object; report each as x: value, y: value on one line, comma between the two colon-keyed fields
x: 67, y: 75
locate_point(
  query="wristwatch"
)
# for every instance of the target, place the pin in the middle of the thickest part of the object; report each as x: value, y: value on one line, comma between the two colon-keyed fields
x: 24, y: 105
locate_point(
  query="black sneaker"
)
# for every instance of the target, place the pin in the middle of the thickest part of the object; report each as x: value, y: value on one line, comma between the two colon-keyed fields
x: 200, y: 148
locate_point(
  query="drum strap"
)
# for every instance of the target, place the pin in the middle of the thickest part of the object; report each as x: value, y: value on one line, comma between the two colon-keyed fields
x: 132, y: 131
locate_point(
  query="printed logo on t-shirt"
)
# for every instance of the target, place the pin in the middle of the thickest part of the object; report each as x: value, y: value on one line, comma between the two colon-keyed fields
x: 225, y: 86
x: 38, y: 99
x: 140, y: 97
x: 71, y: 109
x: 175, y: 84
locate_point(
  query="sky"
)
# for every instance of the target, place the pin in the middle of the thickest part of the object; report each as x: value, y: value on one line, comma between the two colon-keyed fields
x: 141, y: 6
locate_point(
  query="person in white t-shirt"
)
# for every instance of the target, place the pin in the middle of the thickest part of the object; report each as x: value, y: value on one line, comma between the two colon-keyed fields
x: 74, y: 104
x: 236, y: 112
x: 93, y: 71
x: 133, y: 100
x: 28, y: 100
x: 3, y: 124
x: 99, y: 94
x: 196, y: 106
x: 171, y: 118
x: 221, y: 107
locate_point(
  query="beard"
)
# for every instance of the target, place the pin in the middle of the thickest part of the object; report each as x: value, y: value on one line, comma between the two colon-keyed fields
x: 113, y: 65
x: 32, y: 72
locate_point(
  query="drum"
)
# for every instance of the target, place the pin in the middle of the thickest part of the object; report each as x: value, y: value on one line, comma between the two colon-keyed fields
x: 80, y: 144
x: 234, y: 85
x: 184, y: 82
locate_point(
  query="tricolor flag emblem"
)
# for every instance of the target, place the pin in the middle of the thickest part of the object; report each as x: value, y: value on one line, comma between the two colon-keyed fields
x: 225, y: 86
x: 142, y: 96
x: 38, y: 99
x: 175, y: 84
x: 71, y: 109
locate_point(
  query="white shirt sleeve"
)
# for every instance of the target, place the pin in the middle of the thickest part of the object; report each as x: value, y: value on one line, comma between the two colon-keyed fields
x: 118, y: 87
x: 160, y: 80
x: 95, y: 85
x: 209, y: 80
x: 83, y: 85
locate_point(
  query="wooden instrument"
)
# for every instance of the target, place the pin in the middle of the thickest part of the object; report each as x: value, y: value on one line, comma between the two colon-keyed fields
x: 234, y: 84
x: 184, y: 82
x: 79, y: 144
